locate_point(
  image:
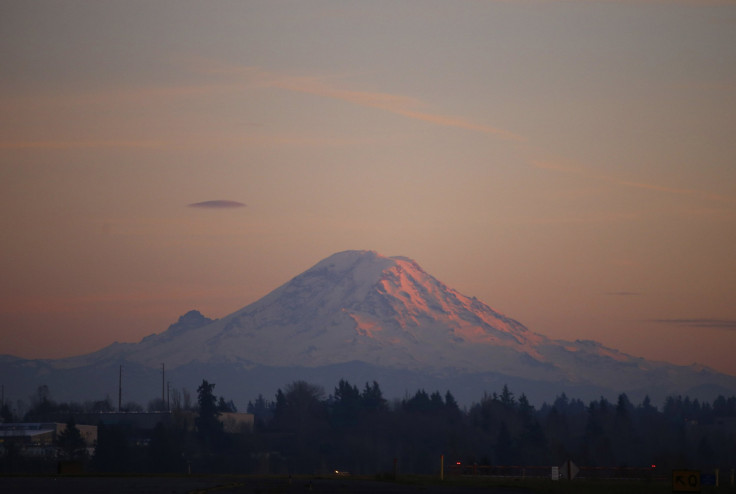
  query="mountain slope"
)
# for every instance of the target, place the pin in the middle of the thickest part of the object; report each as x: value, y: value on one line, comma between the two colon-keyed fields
x: 354, y: 305
x: 358, y: 309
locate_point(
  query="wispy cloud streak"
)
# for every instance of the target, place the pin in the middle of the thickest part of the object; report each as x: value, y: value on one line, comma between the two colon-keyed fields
x: 58, y: 144
x: 393, y: 103
x: 397, y: 104
x: 555, y: 167
x: 729, y: 324
x: 670, y: 190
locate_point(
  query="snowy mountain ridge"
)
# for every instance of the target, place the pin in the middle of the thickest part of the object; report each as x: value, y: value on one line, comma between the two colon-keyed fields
x: 385, y: 315
x: 387, y: 311
x: 354, y: 305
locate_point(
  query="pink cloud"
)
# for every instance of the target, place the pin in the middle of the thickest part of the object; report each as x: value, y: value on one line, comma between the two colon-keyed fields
x: 78, y: 144
x: 393, y: 103
x: 397, y: 104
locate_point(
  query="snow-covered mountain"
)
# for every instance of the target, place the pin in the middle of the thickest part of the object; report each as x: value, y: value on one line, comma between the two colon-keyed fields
x: 355, y: 305
x: 360, y: 316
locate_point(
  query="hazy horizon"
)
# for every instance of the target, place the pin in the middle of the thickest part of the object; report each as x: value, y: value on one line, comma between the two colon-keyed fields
x: 568, y: 163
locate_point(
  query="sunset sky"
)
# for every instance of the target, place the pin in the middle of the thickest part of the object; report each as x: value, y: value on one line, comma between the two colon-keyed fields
x: 570, y: 163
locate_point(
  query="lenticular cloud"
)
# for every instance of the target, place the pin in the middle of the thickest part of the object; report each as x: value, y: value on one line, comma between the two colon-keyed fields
x: 217, y: 204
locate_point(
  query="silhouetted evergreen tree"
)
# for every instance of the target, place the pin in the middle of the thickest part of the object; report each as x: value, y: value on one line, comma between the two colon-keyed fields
x: 347, y: 405
x: 71, y: 443
x: 507, y: 397
x: 224, y: 406
x: 207, y: 421
x: 301, y: 412
x: 209, y: 427
x: 372, y: 396
x: 262, y: 411
x: 420, y: 403
x: 452, y: 412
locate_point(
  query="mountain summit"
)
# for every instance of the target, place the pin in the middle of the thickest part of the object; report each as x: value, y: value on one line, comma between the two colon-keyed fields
x: 353, y: 306
x: 359, y: 315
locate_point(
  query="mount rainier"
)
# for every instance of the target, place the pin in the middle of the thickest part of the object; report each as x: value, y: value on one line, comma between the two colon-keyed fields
x: 361, y: 316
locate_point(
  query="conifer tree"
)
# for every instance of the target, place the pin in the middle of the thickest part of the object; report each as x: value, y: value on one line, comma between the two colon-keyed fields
x: 71, y: 443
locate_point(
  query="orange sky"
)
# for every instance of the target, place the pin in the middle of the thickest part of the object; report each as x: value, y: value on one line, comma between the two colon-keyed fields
x: 569, y: 163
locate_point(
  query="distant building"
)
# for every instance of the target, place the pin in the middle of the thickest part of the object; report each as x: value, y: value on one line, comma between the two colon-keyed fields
x: 39, y: 439
x: 237, y: 423
x: 136, y: 420
x: 233, y: 422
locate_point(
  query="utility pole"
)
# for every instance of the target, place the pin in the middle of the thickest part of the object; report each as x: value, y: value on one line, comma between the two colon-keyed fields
x: 163, y: 385
x: 120, y: 389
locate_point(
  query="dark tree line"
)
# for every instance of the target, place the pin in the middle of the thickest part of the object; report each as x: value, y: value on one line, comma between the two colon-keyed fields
x: 306, y: 430
x: 359, y: 431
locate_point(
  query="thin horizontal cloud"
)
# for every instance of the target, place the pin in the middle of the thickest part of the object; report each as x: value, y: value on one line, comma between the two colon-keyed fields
x: 397, y: 104
x: 217, y: 204
x: 729, y: 324
x: 404, y: 106
x: 546, y: 165
x: 670, y: 190
x: 581, y: 218
x: 79, y: 144
x: 624, y: 294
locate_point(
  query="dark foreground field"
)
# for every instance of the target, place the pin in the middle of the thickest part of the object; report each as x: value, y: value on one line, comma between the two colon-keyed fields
x: 228, y: 485
x: 328, y: 485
